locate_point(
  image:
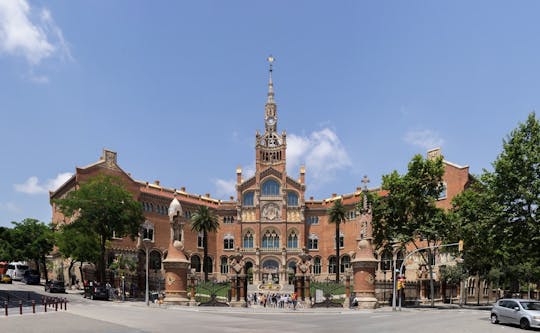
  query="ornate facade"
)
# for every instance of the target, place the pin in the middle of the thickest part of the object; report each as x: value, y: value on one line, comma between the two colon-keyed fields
x: 270, y: 222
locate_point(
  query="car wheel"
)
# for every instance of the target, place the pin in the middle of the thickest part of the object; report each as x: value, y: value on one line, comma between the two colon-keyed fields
x: 524, y: 324
x: 494, y: 319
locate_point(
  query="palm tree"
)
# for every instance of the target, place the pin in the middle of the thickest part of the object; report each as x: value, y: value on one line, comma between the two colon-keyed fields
x: 337, y: 215
x: 204, y: 221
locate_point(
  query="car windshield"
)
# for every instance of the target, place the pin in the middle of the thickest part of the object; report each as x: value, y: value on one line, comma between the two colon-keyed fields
x: 530, y: 305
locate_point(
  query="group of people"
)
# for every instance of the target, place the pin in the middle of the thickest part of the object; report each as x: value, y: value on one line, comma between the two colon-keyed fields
x: 274, y: 300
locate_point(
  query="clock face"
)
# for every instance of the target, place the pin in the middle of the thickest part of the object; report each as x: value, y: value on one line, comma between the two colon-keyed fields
x: 271, y: 121
x: 262, y: 142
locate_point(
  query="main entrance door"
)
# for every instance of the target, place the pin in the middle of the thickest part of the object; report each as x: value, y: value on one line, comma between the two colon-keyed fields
x: 270, y: 272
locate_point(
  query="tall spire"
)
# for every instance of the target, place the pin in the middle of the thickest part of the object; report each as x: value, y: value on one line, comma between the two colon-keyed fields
x: 270, y: 99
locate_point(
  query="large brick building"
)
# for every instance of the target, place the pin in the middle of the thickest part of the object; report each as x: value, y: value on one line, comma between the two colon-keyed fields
x: 270, y: 221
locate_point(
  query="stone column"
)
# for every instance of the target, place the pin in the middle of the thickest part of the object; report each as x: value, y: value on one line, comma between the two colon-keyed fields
x: 176, y: 265
x: 364, y: 265
x: 176, y: 270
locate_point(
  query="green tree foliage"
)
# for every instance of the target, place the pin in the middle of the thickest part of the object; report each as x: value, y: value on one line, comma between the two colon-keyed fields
x: 79, y: 243
x: 33, y: 240
x: 516, y: 188
x: 337, y: 215
x: 6, y: 248
x: 204, y: 221
x: 473, y: 216
x: 105, y: 207
x: 407, y: 212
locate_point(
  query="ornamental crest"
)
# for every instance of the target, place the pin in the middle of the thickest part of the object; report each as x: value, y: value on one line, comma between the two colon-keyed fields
x: 270, y: 211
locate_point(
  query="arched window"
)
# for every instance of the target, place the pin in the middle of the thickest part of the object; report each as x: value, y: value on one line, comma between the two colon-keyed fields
x: 224, y: 266
x: 228, y: 242
x: 317, y: 265
x: 443, y: 188
x: 386, y: 260
x: 313, y: 242
x: 292, y: 199
x: 270, y: 187
x: 248, y: 199
x: 147, y: 231
x: 270, y: 240
x: 209, y: 265
x: 155, y: 260
x: 332, y: 265
x: 341, y: 241
x: 345, y: 263
x: 248, y: 240
x: 292, y: 240
x: 196, y: 263
x: 200, y: 239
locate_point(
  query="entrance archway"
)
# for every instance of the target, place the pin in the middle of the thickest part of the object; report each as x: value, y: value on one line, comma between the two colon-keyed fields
x: 270, y: 271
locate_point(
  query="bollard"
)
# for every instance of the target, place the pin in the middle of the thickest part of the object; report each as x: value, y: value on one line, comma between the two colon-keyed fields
x: 65, y: 304
x: 20, y: 307
x: 56, y: 305
x: 33, y: 306
x: 6, y: 307
x: 45, y: 305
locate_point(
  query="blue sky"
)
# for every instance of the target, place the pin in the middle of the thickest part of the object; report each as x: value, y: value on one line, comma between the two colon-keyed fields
x: 178, y: 88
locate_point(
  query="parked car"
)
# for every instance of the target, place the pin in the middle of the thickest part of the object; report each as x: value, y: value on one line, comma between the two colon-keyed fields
x: 54, y: 286
x: 522, y: 312
x: 31, y: 276
x: 96, y: 291
x: 16, y: 270
x: 4, y: 278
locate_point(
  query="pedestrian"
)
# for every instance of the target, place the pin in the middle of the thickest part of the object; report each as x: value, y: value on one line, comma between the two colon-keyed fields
x: 294, y: 299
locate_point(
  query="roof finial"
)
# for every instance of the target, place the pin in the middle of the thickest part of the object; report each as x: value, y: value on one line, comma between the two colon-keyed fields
x: 270, y: 83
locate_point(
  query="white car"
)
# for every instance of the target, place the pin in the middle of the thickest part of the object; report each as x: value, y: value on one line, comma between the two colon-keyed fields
x: 522, y: 312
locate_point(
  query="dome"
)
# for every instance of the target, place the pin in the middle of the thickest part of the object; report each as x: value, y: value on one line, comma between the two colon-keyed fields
x: 175, y: 208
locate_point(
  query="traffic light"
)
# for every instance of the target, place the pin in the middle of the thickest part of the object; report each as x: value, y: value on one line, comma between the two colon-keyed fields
x: 460, y: 245
x: 400, y: 284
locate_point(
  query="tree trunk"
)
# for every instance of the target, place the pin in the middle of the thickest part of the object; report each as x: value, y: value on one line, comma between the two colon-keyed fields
x: 205, y: 255
x: 431, y: 284
x: 45, y: 268
x: 101, y: 264
x: 337, y: 252
x: 81, y: 271
x: 71, y: 276
x: 36, y: 262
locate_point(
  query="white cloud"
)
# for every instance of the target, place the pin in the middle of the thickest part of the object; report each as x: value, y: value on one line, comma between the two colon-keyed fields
x: 9, y: 207
x: 24, y: 32
x: 32, y: 185
x: 322, y: 153
x: 225, y: 188
x: 425, y: 139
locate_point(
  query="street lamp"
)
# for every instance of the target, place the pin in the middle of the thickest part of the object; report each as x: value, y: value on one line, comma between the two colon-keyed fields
x: 395, y: 248
x: 147, y: 242
x: 147, y: 232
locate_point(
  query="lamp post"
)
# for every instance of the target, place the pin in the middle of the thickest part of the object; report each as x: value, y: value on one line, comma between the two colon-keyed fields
x: 395, y: 251
x: 147, y: 242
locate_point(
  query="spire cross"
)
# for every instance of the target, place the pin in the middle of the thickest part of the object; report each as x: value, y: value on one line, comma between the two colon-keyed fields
x: 365, y: 181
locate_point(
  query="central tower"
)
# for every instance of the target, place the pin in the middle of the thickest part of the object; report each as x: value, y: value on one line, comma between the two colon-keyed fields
x: 270, y: 147
x: 271, y: 206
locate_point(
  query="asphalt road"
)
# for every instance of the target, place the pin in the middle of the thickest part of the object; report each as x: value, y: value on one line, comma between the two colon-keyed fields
x: 116, y: 317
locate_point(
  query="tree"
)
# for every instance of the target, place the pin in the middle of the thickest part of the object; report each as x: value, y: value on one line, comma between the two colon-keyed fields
x: 473, y: 218
x: 204, y: 221
x: 337, y: 214
x: 516, y: 188
x: 34, y: 240
x: 6, y: 247
x: 407, y: 212
x: 106, y: 208
x: 79, y: 243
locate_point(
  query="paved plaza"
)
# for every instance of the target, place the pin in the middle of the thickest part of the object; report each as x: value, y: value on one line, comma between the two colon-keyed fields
x: 84, y: 315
